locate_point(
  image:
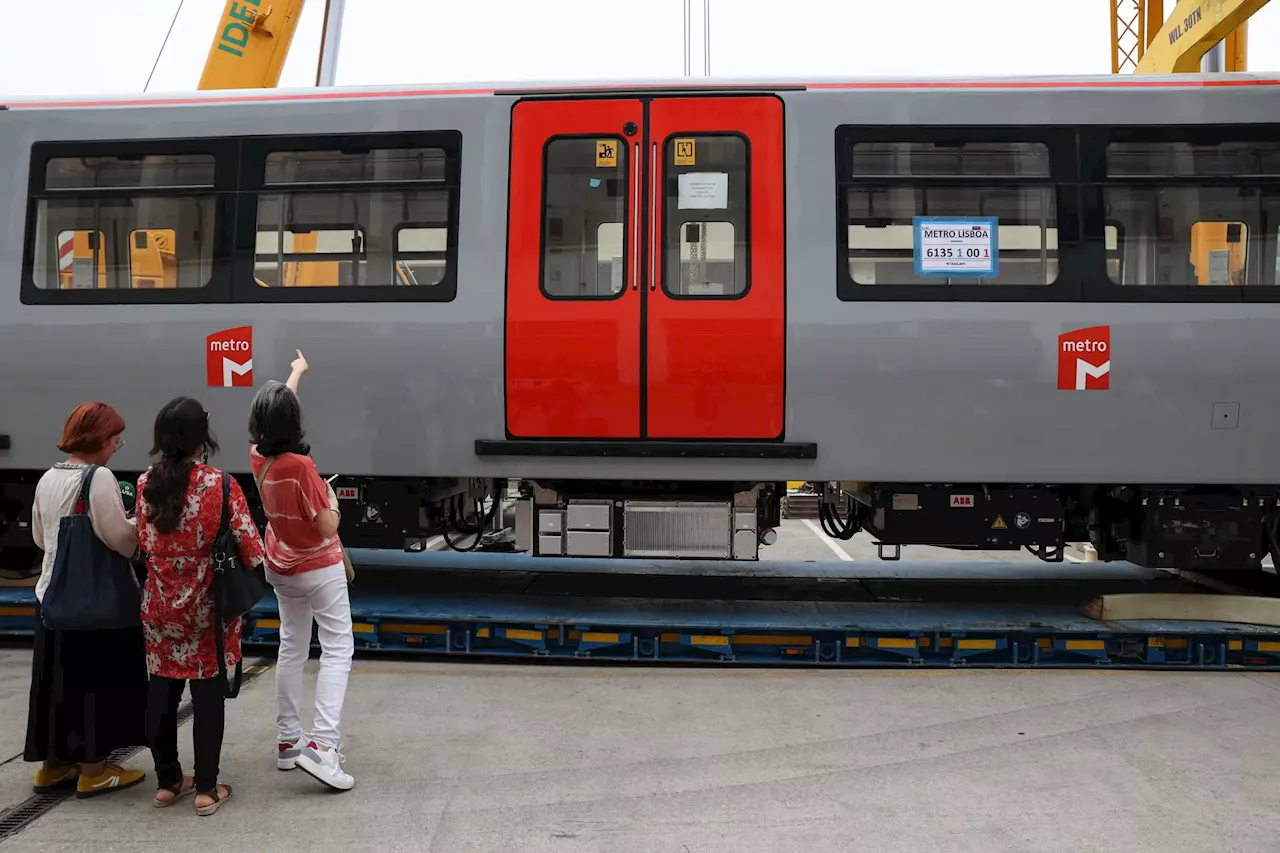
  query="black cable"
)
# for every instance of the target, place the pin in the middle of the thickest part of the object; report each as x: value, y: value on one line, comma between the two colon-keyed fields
x: 163, y: 45
x: 483, y: 520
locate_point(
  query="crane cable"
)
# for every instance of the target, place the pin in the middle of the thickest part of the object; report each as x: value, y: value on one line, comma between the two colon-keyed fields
x: 164, y: 44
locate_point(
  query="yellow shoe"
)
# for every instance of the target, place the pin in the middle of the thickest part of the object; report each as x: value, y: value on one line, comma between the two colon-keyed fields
x: 56, y: 779
x: 113, y: 778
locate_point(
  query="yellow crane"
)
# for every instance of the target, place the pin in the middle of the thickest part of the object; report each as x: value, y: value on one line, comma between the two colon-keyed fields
x: 1145, y: 42
x: 251, y: 44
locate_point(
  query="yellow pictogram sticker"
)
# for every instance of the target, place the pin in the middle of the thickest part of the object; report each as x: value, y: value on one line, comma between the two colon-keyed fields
x: 685, y: 153
x: 999, y: 525
x: 606, y: 153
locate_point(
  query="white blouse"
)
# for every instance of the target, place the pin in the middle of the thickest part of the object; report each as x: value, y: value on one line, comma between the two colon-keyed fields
x: 56, y: 495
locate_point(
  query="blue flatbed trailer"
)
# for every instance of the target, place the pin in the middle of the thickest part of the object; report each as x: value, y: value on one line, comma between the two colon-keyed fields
x: 1004, y: 615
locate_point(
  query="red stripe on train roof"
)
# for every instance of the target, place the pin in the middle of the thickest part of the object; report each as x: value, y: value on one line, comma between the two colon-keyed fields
x: 239, y: 99
x: 1123, y: 83
x: 270, y: 95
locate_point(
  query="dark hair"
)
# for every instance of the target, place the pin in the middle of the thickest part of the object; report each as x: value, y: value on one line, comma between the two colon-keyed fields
x: 275, y: 421
x: 88, y: 428
x: 182, y: 431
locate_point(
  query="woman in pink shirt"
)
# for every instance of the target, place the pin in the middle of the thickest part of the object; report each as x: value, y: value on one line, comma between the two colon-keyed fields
x: 306, y: 568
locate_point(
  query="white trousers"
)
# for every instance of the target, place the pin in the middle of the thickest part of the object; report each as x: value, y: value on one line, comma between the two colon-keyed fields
x: 319, y: 594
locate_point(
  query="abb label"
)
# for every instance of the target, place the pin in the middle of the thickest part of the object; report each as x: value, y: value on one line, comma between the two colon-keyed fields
x: 962, y: 500
x: 229, y: 358
x: 1084, y: 359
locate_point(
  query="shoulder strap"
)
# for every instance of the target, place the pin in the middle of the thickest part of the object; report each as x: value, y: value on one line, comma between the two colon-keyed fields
x: 86, y: 480
x: 225, y: 522
x: 266, y: 466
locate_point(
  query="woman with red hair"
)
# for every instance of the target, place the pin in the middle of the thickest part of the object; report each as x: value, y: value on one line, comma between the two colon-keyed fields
x: 88, y: 688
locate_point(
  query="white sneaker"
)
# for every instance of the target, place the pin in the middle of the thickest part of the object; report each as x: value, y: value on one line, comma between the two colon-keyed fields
x: 287, y: 754
x: 325, y: 765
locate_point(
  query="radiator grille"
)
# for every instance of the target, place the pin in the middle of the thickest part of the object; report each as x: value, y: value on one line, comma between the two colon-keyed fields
x: 676, y: 529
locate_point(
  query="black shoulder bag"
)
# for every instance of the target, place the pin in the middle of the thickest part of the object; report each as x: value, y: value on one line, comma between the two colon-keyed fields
x: 236, y: 589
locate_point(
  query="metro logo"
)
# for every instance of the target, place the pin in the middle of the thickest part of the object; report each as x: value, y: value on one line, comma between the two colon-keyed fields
x: 1084, y: 359
x: 229, y: 358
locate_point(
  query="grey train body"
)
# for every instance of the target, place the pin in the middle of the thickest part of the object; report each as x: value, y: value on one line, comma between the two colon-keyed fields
x: 898, y: 394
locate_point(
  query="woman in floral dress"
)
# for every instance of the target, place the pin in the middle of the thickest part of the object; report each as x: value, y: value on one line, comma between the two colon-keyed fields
x: 179, y: 509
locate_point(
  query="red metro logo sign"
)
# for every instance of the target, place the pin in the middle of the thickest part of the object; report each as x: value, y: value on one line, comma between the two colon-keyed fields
x: 1084, y: 359
x: 229, y: 358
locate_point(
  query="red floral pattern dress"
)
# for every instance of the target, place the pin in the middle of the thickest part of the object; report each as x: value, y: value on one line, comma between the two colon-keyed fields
x: 177, y: 599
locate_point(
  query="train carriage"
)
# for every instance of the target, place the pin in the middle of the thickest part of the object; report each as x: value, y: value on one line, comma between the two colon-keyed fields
x: 989, y: 313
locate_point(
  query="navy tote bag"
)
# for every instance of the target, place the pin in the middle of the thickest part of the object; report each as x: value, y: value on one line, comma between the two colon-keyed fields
x: 91, y: 587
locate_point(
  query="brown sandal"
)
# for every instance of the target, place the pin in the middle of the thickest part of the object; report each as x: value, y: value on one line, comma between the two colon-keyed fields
x: 218, y: 799
x: 187, y: 785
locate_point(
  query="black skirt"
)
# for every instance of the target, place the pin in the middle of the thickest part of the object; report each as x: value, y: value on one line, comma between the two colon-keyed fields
x: 88, y: 695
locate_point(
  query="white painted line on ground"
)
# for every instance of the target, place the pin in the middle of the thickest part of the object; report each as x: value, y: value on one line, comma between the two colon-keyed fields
x: 817, y: 531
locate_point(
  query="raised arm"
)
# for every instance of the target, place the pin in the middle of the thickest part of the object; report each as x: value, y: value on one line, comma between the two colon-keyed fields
x: 106, y: 511
x: 296, y: 369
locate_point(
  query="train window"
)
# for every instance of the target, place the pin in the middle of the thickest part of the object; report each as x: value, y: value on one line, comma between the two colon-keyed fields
x: 366, y: 217
x: 964, y: 159
x: 1183, y: 159
x: 1194, y: 213
x: 123, y: 242
x: 584, y: 204
x: 421, y: 257
x: 129, y: 172
x: 350, y: 238
x: 889, y: 184
x: 706, y: 215
x: 108, y: 221
x: 374, y: 165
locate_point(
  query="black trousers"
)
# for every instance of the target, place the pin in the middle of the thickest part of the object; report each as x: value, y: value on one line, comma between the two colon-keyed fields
x: 209, y: 719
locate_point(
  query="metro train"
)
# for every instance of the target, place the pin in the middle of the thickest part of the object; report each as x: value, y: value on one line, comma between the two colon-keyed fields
x: 982, y: 314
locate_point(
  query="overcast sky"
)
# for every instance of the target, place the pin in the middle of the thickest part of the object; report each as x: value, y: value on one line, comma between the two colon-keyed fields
x: 92, y: 46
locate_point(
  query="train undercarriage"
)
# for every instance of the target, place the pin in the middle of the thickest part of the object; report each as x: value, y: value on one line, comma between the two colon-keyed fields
x: 1192, y: 527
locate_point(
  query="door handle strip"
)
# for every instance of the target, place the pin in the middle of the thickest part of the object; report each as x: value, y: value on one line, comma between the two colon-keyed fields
x: 636, y: 164
x: 653, y: 220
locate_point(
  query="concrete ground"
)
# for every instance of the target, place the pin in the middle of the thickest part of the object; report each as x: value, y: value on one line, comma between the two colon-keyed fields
x: 472, y: 757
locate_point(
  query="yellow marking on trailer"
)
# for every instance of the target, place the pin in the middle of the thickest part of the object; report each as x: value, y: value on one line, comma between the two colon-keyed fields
x: 482, y: 632
x: 575, y: 635
x: 1175, y: 644
x: 599, y: 637
x: 1085, y: 645
x: 397, y: 628
x: 522, y: 634
x: 853, y: 642
x: 708, y: 640
x: 268, y: 623
x: 894, y: 643
x: 670, y: 638
x: 362, y: 628
x: 1044, y: 643
x: 976, y: 644
x: 1269, y: 647
x: 17, y: 611
x: 767, y: 640
x: 1235, y: 645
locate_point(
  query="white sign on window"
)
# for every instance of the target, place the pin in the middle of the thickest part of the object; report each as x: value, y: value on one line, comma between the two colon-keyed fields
x: 1220, y: 266
x: 703, y: 191
x: 954, y: 247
